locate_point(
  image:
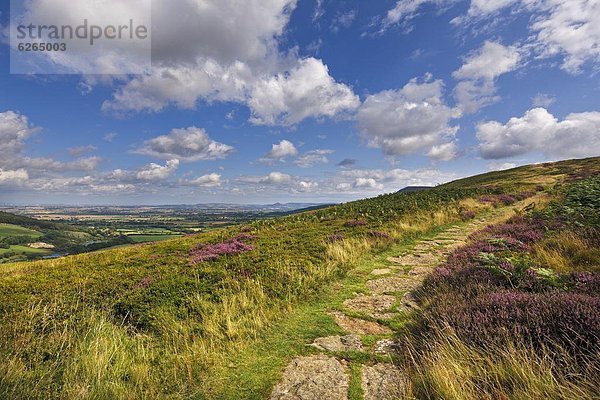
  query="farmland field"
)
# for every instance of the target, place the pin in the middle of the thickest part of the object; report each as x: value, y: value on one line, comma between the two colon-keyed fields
x: 7, y: 230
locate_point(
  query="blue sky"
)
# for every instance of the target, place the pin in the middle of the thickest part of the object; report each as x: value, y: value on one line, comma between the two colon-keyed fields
x: 276, y: 100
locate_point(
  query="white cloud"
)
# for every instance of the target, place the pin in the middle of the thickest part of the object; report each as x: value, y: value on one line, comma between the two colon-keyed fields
x: 568, y: 29
x: 407, y: 120
x: 486, y: 7
x: 343, y: 20
x: 405, y: 10
x: 501, y: 166
x: 368, y: 183
x: 489, y: 62
x: 109, y: 137
x: 479, y: 72
x: 202, y: 58
x: 307, y: 186
x: 14, y: 130
x: 209, y: 180
x: 156, y: 172
x: 378, y: 181
x: 578, y: 135
x: 443, y: 152
x: 13, y: 177
x: 188, y: 144
x: 543, y: 100
x: 80, y: 150
x: 307, y: 90
x: 313, y: 157
x: 279, y: 152
x: 275, y: 178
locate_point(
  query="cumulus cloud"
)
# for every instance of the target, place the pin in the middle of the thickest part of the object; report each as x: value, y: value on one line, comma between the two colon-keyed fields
x: 313, y: 157
x: 209, y: 180
x: 275, y: 178
x: 578, y: 135
x: 14, y: 130
x: 279, y: 152
x: 307, y: 90
x: 201, y: 58
x: 188, y: 144
x: 404, y: 121
x: 369, y: 183
x: 156, y: 172
x: 479, y: 72
x: 444, y: 152
x: 13, y: 177
x: 307, y: 186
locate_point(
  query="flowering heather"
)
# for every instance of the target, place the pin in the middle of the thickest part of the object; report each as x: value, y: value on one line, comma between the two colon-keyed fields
x: 244, y: 236
x: 502, y: 199
x: 571, y: 319
x: 379, y: 234
x: 585, y: 282
x: 209, y: 252
x: 488, y: 199
x: 524, y: 230
x: 467, y: 215
x: 524, y: 195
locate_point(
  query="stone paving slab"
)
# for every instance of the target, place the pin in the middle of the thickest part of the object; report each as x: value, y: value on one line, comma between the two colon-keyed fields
x: 313, y: 378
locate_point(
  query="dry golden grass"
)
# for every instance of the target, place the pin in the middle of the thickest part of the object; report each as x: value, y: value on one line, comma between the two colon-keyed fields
x: 450, y: 369
x: 566, y: 251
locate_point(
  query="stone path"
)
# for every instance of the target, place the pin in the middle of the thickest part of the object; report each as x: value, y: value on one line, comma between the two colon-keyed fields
x: 325, y: 376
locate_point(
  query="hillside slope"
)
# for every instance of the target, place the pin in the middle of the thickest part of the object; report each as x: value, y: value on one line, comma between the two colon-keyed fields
x: 162, y: 320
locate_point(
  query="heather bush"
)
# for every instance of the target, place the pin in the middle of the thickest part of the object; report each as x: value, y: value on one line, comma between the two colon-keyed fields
x: 570, y: 319
x: 466, y: 215
x: 209, y: 252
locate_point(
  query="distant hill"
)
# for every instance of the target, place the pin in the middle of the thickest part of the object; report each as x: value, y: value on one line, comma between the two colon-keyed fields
x: 410, y: 189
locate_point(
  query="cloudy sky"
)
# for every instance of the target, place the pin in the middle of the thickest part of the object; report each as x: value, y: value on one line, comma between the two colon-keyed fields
x: 257, y: 101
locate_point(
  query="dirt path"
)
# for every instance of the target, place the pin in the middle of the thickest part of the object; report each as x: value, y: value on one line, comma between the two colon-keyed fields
x: 364, y: 318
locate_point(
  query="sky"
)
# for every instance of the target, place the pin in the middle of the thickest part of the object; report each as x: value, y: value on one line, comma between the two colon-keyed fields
x: 263, y: 101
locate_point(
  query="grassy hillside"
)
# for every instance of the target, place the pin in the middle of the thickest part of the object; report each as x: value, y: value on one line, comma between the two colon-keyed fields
x: 161, y: 320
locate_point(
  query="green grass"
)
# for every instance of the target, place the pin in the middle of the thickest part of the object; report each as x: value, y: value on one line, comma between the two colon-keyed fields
x: 144, y: 322
x: 8, y: 230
